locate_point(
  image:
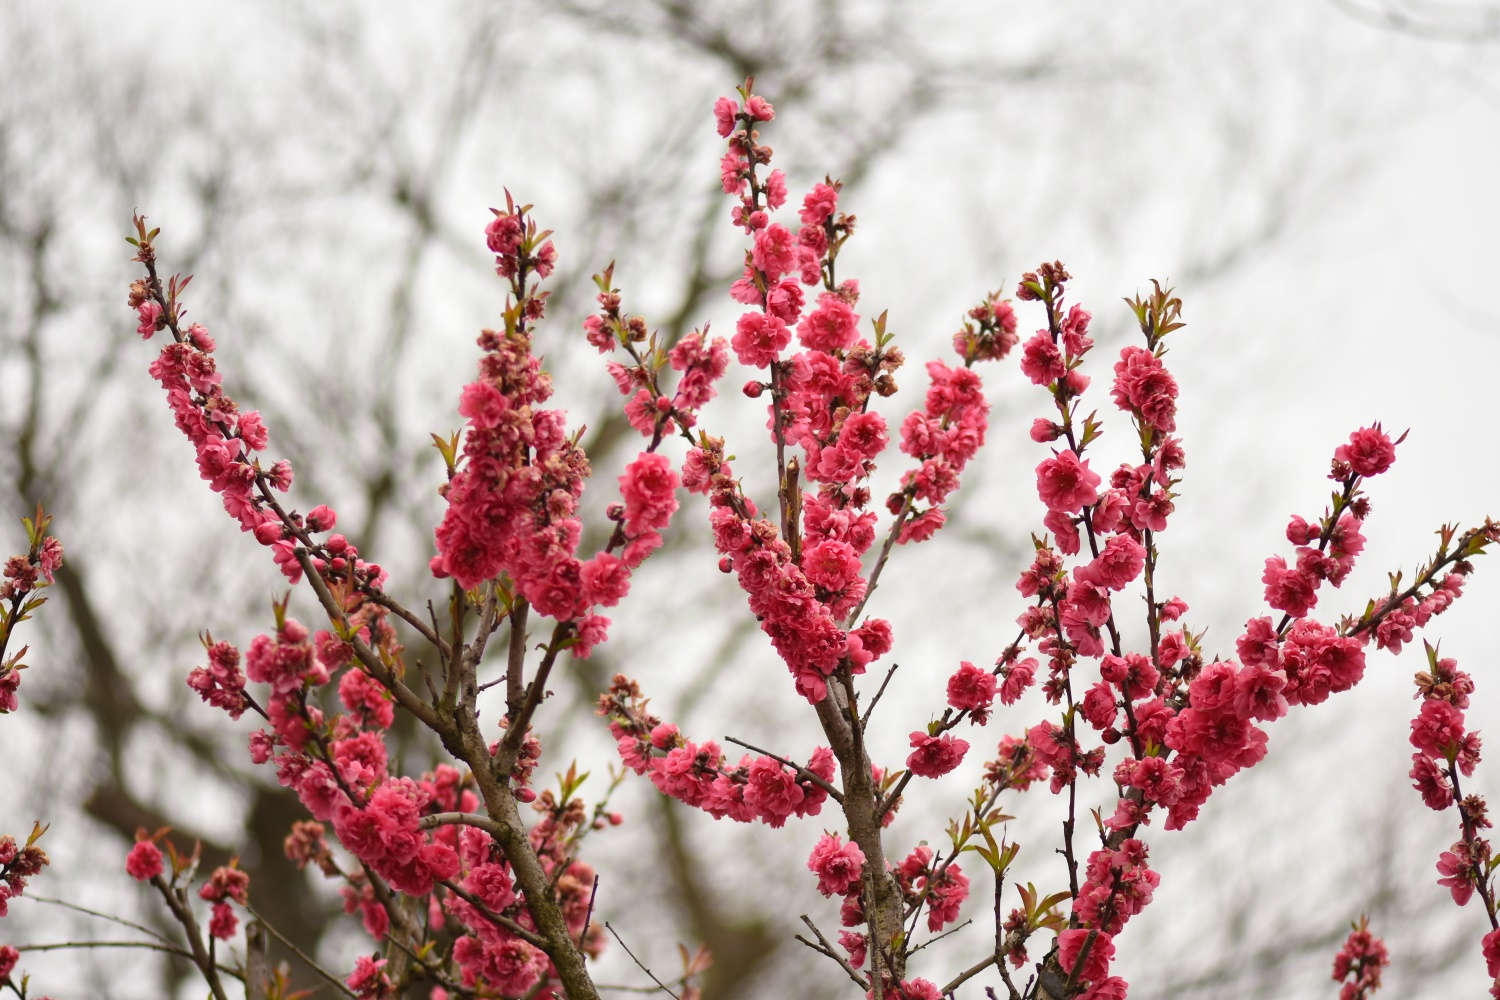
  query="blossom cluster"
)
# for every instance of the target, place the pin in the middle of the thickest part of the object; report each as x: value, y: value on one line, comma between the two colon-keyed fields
x: 758, y: 787
x: 24, y: 576
x: 512, y: 505
x: 225, y: 438
x: 502, y: 908
x: 1446, y: 752
x: 1359, y: 963
x: 510, y: 511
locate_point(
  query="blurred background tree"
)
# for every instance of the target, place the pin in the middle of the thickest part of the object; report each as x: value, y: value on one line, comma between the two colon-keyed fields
x: 1318, y: 188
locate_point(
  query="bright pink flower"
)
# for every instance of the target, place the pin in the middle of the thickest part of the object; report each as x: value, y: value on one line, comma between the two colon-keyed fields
x: 252, y: 430
x: 1142, y: 385
x: 9, y: 956
x: 1458, y: 872
x: 143, y: 863
x: 772, y: 791
x: 1287, y: 589
x: 1118, y: 565
x: 945, y: 895
x: 971, y: 689
x: 1109, y: 988
x: 1438, y: 729
x: 784, y: 301
x: 369, y: 981
x: 1259, y: 644
x: 1257, y: 694
x: 151, y: 317
x: 1075, y: 331
x: 775, y: 252
x: 483, y: 404
x: 1041, y: 361
x: 1431, y: 781
x: 605, y: 578
x: 649, y: 489
x: 759, y: 338
x: 837, y: 865
x: 831, y: 564
x: 1491, y: 948
x: 1095, y: 966
x: 1065, y: 484
x: 774, y: 189
x: 832, y: 326
x: 915, y: 989
x: 935, y: 756
x: 503, y: 234
x: 819, y: 204
x: 1018, y: 677
x: 222, y: 923
x: 725, y: 112
x: 1369, y: 452
x: 1099, y: 706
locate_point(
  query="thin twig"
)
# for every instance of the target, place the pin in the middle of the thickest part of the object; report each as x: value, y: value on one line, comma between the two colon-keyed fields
x: 934, y: 940
x: 184, y: 915
x: 639, y: 964
x: 589, y: 917
x: 865, y: 719
x: 338, y: 983
x: 148, y: 945
x: 106, y: 916
x: 824, y: 948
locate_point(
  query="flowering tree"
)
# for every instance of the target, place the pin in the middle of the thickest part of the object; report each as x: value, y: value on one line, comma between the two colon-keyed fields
x: 467, y: 895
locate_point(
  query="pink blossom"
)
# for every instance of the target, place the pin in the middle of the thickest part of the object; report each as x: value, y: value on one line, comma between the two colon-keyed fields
x: 369, y: 981
x: 1142, y: 385
x: 1438, y: 729
x: 1458, y: 872
x: 725, y: 112
x: 837, y: 865
x: 819, y: 204
x: 759, y: 108
x: 151, y: 319
x: 832, y: 326
x: 1369, y: 451
x: 971, y: 689
x: 1490, y: 946
x: 831, y: 564
x: 1429, y: 779
x: 364, y: 696
x: 1289, y: 590
x: 1109, y: 988
x: 143, y: 863
x: 1095, y: 965
x: 1041, y: 361
x: 935, y: 756
x: 772, y: 791
x: 649, y: 489
x: 759, y: 338
x: 222, y: 922
x: 1018, y: 677
x: 775, y: 252
x: 1066, y: 484
x: 1118, y: 564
